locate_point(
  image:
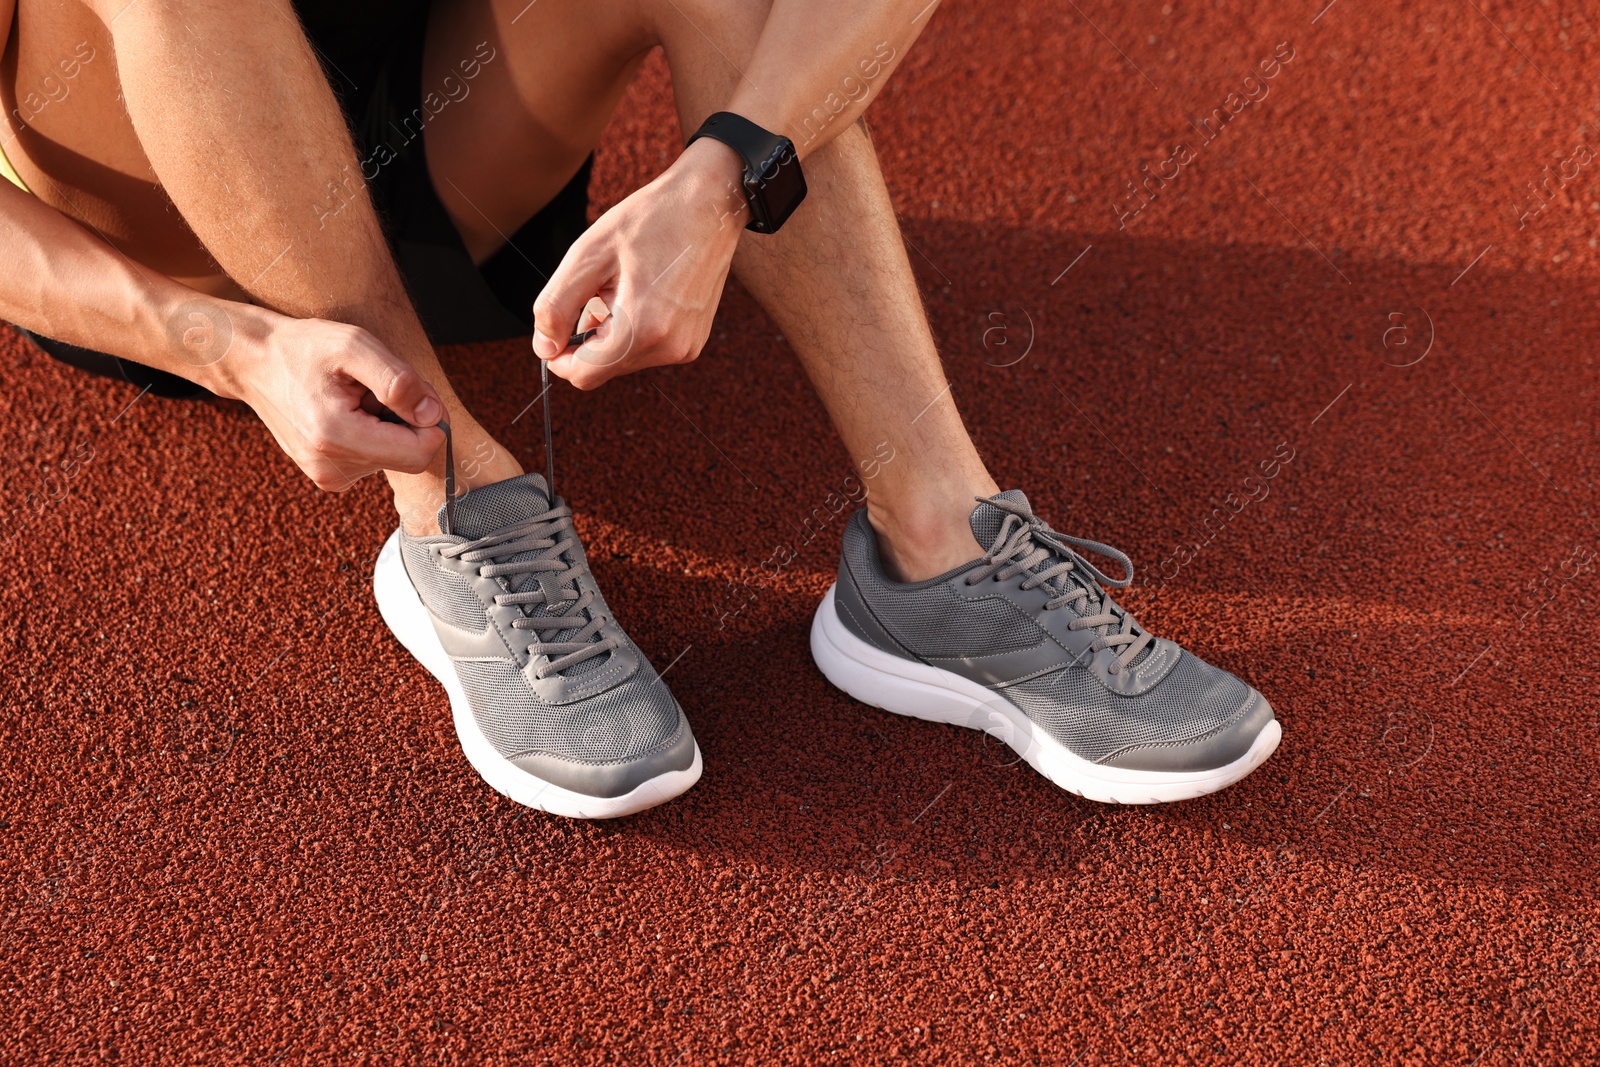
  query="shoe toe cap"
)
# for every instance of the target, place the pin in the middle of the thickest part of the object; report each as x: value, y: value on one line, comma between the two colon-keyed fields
x: 613, y: 778
x: 1217, y: 748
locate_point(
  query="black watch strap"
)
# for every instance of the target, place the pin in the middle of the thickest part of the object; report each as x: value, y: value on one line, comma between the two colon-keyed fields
x: 773, y: 185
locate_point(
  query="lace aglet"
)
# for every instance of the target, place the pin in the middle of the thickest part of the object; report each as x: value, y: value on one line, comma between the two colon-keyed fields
x: 449, y: 481
x: 549, y: 445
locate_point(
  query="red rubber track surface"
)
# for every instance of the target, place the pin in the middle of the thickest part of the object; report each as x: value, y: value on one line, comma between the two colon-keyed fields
x: 235, y: 826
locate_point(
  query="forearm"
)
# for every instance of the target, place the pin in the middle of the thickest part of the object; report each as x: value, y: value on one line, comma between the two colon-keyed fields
x: 819, y: 63
x: 62, y: 281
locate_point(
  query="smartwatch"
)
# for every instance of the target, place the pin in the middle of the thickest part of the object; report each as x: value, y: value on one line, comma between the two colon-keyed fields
x: 773, y: 185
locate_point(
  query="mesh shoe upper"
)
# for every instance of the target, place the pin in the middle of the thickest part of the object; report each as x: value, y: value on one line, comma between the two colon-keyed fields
x: 545, y: 666
x: 1194, y: 700
x: 1031, y: 619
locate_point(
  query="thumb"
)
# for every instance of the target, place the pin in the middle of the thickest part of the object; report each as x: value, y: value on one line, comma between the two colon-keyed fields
x: 560, y: 304
x: 396, y: 385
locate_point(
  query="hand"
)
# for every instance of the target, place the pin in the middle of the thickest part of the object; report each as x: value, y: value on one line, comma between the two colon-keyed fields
x: 320, y: 387
x: 658, y: 262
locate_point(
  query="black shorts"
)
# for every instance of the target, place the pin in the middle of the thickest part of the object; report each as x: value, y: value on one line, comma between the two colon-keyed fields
x: 371, y: 51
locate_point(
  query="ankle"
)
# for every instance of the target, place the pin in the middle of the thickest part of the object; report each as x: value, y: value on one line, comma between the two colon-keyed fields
x: 479, y: 461
x: 933, y: 535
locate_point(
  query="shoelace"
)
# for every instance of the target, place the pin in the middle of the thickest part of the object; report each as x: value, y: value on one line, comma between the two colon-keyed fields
x: 549, y: 440
x: 551, y: 534
x: 1025, y: 541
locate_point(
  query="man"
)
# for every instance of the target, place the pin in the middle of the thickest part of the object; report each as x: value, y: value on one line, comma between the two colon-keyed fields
x: 200, y: 216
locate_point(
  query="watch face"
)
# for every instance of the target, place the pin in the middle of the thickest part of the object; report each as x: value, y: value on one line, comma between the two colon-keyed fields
x: 778, y: 189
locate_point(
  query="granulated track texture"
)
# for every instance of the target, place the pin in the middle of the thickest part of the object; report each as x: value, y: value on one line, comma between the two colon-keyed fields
x: 235, y: 826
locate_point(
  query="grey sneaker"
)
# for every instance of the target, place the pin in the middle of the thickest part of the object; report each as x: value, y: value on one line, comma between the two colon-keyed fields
x: 555, y: 707
x: 1025, y: 643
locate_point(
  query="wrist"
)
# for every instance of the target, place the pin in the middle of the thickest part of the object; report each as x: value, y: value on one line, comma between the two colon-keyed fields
x: 714, y: 174
x: 221, y: 340
x: 772, y: 183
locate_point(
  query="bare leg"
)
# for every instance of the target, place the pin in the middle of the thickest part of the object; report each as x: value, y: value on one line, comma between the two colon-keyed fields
x: 836, y: 280
x: 246, y: 85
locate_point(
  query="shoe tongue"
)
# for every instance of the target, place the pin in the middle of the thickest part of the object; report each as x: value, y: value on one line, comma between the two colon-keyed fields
x: 986, y: 519
x: 489, y: 508
x: 482, y: 511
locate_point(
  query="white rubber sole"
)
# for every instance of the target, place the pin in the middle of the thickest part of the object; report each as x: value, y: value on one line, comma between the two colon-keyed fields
x: 409, y: 620
x: 905, y: 687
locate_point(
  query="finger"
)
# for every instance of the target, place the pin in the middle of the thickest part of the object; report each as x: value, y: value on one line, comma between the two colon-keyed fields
x: 594, y: 313
x: 375, y: 443
x: 570, y: 366
x: 612, y: 342
x: 560, y: 304
x: 395, y: 384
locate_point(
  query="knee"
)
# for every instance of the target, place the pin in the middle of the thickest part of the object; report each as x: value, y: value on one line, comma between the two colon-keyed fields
x: 114, y: 12
x: 733, y: 25
x: 716, y: 12
x: 108, y: 11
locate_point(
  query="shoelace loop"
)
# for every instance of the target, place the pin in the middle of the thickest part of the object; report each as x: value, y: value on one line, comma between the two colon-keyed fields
x: 1025, y: 541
